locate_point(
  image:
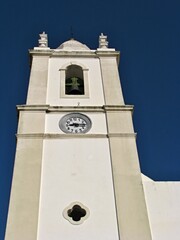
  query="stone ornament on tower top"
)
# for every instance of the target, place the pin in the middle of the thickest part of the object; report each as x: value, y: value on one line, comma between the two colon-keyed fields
x: 103, y: 43
x: 43, y: 41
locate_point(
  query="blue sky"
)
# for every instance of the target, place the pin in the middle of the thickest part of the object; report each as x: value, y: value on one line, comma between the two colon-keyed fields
x: 148, y: 35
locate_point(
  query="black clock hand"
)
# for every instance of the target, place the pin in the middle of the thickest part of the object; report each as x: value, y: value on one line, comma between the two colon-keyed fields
x: 77, y: 124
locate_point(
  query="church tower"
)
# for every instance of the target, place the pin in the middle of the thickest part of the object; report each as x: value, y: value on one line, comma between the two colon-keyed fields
x: 76, y: 173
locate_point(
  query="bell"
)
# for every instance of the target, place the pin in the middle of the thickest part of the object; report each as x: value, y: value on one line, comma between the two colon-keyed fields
x: 73, y: 87
x: 74, y: 90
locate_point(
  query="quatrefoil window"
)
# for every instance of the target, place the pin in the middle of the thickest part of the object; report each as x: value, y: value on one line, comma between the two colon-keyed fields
x: 76, y: 213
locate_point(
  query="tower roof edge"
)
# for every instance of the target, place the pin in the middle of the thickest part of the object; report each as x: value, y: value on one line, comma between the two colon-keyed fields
x: 73, y: 45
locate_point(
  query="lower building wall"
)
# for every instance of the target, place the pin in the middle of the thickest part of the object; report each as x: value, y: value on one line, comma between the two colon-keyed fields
x: 163, y: 204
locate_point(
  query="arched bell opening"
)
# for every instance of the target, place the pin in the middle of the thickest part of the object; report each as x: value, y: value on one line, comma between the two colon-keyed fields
x: 74, y: 82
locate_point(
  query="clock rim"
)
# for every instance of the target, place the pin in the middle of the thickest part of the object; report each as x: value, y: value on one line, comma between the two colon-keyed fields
x: 63, y: 120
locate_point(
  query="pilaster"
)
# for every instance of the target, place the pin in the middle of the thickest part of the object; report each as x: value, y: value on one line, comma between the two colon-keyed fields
x: 38, y: 80
x: 110, y: 78
x: 24, y: 205
x: 130, y: 202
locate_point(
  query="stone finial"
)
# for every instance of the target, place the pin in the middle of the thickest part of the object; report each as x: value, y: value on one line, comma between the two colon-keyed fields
x: 103, y: 43
x: 43, y: 41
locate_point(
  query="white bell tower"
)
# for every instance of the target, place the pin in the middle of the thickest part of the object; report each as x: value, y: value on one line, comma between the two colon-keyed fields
x: 76, y: 173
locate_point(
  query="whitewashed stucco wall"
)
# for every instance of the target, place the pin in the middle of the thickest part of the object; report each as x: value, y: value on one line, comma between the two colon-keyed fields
x: 85, y: 178
x: 163, y: 204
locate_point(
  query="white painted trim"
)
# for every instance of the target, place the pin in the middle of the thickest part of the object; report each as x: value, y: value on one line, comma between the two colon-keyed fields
x: 62, y: 71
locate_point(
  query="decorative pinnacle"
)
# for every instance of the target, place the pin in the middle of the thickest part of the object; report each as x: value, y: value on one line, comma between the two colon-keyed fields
x: 103, y: 43
x: 43, y: 41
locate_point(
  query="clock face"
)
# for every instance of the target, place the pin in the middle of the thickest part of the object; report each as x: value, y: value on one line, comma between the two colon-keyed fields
x: 75, y: 123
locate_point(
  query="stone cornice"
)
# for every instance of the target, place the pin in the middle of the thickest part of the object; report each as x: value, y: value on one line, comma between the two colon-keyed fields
x: 60, y: 135
x: 102, y: 54
x: 52, y: 109
x: 32, y: 107
x: 68, y: 135
x: 109, y: 108
x: 122, y: 135
x: 90, y: 53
